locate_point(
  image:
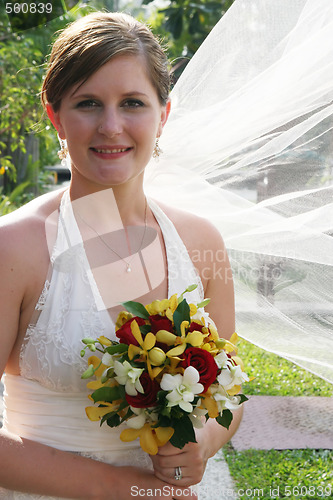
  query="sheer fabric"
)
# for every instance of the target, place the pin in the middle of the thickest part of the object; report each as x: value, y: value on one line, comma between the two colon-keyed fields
x: 248, y: 145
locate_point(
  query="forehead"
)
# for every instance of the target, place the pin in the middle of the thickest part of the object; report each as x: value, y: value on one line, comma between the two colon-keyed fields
x: 123, y: 72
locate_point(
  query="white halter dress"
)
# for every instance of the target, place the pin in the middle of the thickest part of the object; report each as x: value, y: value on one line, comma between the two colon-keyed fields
x: 46, y: 402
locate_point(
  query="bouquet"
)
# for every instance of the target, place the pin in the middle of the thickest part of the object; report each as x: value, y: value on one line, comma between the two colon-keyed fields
x: 168, y: 371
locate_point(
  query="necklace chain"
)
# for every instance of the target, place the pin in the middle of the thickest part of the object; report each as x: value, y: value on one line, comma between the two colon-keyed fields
x: 128, y: 263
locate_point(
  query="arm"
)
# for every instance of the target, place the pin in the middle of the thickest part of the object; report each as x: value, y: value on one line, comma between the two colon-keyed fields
x: 216, y: 275
x: 35, y: 468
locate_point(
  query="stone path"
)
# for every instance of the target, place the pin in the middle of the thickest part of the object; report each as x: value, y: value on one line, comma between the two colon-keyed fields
x: 282, y: 423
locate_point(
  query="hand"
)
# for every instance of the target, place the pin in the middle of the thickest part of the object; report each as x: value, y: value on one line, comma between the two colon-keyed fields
x: 189, y: 459
x: 134, y: 481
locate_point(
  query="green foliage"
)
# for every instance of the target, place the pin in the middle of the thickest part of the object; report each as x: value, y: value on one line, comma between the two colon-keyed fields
x: 184, y: 24
x: 276, y: 376
x: 184, y: 432
x: 136, y: 309
x: 9, y: 203
x: 305, y: 474
x: 22, y: 65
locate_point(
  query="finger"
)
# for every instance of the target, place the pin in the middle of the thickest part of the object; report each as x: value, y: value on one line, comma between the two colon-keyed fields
x: 169, y: 449
x: 169, y: 461
x: 187, y: 478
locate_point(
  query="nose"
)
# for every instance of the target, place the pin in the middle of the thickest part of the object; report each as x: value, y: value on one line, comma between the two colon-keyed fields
x: 110, y: 123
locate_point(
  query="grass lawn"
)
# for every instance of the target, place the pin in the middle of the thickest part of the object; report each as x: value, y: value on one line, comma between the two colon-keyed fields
x: 294, y: 474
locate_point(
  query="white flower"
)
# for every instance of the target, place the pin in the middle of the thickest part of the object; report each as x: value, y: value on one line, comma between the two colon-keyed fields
x: 128, y: 376
x: 182, y: 388
x: 224, y: 401
x: 232, y: 375
x: 225, y: 378
x: 222, y: 360
x: 201, y: 314
x: 143, y: 415
x: 108, y: 360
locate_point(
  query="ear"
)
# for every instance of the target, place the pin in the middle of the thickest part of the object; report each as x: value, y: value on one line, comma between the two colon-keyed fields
x: 164, y: 117
x: 54, y: 117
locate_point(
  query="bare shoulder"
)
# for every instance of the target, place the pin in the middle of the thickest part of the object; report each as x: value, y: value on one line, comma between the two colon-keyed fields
x: 26, y: 226
x: 196, y: 232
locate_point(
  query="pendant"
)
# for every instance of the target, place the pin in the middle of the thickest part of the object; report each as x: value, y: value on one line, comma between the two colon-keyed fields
x: 128, y: 270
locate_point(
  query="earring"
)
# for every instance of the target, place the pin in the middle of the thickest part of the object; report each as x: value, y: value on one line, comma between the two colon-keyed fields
x: 157, y: 150
x: 63, y: 152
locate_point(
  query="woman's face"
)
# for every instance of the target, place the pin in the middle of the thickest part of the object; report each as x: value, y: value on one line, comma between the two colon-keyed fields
x: 110, y: 123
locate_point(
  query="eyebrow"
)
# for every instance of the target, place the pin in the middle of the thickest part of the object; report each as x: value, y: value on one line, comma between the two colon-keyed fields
x: 92, y: 96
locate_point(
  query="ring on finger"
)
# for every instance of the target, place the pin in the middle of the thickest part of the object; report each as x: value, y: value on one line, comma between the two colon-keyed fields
x: 178, y: 473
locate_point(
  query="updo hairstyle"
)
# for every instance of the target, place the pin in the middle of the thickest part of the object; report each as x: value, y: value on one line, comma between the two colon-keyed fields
x: 90, y: 42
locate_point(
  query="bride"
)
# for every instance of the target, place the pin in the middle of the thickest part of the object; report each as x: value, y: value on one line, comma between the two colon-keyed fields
x: 247, y: 145
x: 69, y: 258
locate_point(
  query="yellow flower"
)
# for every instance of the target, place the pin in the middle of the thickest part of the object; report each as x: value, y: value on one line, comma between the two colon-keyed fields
x: 150, y: 439
x: 97, y: 363
x: 145, y: 344
x: 123, y: 317
x: 96, y: 413
x: 2, y: 170
x: 194, y: 338
x: 208, y: 402
x: 104, y: 341
x: 193, y: 309
x: 234, y: 390
x: 156, y: 356
x: 157, y: 307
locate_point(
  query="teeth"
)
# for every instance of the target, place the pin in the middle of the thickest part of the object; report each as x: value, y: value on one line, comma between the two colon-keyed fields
x: 111, y: 150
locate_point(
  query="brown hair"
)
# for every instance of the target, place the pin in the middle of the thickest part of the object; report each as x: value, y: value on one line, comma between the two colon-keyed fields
x: 88, y: 43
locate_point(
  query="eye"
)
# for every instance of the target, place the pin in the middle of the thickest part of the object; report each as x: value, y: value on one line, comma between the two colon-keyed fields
x: 133, y: 103
x: 87, y: 103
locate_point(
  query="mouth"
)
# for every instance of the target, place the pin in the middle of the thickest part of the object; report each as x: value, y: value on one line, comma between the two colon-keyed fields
x: 110, y: 150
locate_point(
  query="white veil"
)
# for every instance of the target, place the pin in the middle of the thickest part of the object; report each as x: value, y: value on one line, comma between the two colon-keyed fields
x: 249, y: 146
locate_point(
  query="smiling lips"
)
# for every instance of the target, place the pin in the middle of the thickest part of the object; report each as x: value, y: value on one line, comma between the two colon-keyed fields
x: 110, y: 152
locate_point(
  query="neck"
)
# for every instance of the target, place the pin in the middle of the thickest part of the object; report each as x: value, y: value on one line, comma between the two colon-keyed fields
x: 126, y: 202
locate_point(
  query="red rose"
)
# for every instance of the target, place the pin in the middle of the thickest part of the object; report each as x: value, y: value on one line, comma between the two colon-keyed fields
x: 195, y: 327
x: 149, y: 396
x: 125, y: 334
x: 202, y: 361
x: 160, y: 323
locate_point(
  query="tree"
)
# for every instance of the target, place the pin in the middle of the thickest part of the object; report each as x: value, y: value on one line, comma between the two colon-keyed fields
x: 185, y: 24
x: 25, y: 142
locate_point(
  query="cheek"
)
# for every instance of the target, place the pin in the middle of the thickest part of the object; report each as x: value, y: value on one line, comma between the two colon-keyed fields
x: 79, y: 126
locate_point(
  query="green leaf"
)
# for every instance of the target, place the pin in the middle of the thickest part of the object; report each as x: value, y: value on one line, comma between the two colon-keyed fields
x: 194, y: 23
x: 204, y: 303
x: 129, y: 412
x: 113, y: 421
x: 182, y: 313
x: 174, y: 23
x: 116, y: 348
x: 144, y: 329
x: 136, y: 308
x: 225, y: 419
x: 107, y: 416
x: 89, y: 372
x: 107, y: 394
x: 184, y: 432
x: 243, y: 398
